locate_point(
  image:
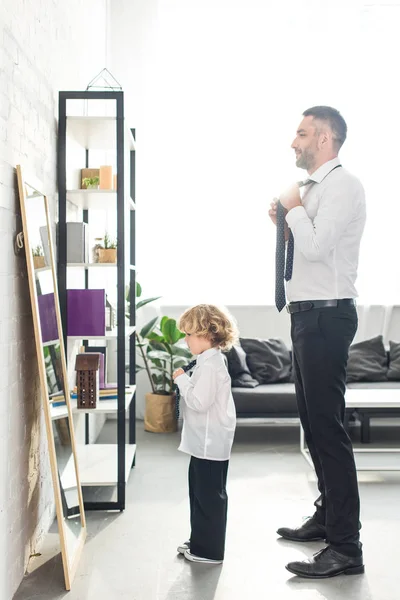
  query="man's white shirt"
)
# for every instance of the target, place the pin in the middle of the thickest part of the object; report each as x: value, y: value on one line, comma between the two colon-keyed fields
x: 327, y: 232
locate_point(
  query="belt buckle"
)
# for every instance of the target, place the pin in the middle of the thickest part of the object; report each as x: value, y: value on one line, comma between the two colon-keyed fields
x: 306, y: 305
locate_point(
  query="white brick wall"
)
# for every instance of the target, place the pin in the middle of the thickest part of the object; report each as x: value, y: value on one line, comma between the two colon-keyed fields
x: 44, y: 47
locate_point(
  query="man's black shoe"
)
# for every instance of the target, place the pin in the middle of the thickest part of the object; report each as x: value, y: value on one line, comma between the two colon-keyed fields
x: 327, y: 563
x: 310, y: 531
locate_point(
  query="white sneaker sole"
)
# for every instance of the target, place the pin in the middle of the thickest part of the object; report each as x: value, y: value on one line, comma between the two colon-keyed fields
x: 182, y: 548
x: 200, y: 559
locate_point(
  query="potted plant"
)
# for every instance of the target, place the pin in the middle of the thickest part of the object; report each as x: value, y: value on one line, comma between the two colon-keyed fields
x: 38, y: 257
x: 161, y: 352
x: 91, y: 183
x: 107, y: 250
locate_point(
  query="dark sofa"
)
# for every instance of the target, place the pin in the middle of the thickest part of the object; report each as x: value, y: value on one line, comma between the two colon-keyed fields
x: 262, y: 379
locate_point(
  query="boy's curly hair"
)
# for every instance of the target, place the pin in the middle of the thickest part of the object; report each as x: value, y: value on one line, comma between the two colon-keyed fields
x: 209, y: 321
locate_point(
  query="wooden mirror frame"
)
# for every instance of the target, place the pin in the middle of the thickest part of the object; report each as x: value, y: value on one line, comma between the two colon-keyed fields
x: 70, y: 563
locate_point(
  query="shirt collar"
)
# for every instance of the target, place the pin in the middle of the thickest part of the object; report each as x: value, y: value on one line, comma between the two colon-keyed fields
x: 207, y: 354
x: 324, y: 170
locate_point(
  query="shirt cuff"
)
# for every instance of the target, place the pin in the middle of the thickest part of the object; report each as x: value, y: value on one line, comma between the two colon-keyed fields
x: 295, y: 215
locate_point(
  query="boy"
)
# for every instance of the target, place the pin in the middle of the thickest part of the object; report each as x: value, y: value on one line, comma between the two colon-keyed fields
x: 209, y: 422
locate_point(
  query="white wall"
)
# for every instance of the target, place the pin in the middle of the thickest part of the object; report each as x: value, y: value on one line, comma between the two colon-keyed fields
x: 215, y: 90
x: 44, y: 47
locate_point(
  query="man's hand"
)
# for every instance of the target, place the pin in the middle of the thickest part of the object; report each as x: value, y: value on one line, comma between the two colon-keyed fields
x: 272, y: 215
x: 291, y: 197
x: 272, y: 210
x: 177, y: 373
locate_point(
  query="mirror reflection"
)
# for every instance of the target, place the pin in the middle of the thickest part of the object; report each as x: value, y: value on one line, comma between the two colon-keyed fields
x: 38, y: 240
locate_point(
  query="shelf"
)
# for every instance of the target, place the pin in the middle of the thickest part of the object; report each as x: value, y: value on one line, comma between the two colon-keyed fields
x: 109, y: 335
x: 96, y: 265
x: 58, y: 412
x: 90, y: 265
x: 96, y: 199
x: 103, y: 406
x: 106, y: 406
x: 51, y: 343
x: 97, y: 133
x: 97, y: 465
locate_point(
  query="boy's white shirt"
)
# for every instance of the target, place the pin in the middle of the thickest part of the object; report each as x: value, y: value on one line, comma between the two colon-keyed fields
x: 207, y: 408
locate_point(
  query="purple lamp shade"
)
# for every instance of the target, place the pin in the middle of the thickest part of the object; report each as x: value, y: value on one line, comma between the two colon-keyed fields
x: 86, y: 313
x: 48, y: 320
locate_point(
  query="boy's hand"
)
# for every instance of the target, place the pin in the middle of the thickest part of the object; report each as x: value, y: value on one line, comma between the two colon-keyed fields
x: 177, y: 373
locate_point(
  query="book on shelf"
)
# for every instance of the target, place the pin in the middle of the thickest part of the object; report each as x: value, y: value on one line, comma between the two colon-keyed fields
x: 110, y: 393
x: 57, y: 399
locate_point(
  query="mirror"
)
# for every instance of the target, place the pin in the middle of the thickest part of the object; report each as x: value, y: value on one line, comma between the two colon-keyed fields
x: 39, y: 249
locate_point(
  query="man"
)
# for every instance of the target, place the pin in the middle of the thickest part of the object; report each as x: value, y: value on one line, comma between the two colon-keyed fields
x: 322, y: 220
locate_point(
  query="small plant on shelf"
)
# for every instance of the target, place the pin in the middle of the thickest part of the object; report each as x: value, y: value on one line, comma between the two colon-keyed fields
x: 91, y: 183
x: 105, y: 250
x: 37, y: 251
x: 38, y: 257
x: 109, y: 243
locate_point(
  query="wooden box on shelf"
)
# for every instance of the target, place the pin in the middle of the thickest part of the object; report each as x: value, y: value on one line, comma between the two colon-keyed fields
x: 39, y: 262
x: 87, y: 379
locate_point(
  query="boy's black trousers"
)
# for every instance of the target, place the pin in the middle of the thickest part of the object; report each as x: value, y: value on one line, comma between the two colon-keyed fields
x: 208, y: 507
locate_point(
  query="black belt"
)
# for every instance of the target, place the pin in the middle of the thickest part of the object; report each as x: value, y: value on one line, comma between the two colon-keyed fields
x: 295, y: 307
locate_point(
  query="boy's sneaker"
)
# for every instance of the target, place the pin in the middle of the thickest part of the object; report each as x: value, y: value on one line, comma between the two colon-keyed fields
x: 183, y: 547
x: 199, y: 559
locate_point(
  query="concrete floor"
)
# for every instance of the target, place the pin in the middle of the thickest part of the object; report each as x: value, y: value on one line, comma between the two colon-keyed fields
x: 132, y: 555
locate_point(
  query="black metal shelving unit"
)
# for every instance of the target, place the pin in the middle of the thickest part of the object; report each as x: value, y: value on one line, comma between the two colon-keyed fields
x: 124, y: 202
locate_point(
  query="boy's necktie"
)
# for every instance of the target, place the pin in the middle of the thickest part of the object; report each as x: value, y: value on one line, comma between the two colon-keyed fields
x: 283, y: 272
x: 176, y: 388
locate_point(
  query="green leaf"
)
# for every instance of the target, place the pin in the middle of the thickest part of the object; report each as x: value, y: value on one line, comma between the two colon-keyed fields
x: 170, y: 330
x: 155, y: 337
x: 141, y: 344
x: 158, y: 379
x: 138, y: 290
x: 179, y: 363
x: 147, y: 301
x: 180, y: 351
x: 163, y: 321
x: 161, y: 355
x: 157, y: 363
x: 148, y: 327
x: 156, y: 345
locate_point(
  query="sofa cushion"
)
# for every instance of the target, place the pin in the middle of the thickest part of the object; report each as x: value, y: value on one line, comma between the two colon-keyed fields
x: 368, y: 361
x: 269, y: 360
x: 238, y: 369
x: 394, y: 361
x: 272, y: 400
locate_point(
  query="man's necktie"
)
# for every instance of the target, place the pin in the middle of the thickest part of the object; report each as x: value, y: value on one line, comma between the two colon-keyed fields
x: 176, y: 388
x: 283, y: 274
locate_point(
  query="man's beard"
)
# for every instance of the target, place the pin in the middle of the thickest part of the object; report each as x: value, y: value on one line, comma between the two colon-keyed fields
x: 305, y: 160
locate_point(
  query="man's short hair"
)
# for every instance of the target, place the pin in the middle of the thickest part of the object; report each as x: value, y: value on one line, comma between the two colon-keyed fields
x: 333, y: 118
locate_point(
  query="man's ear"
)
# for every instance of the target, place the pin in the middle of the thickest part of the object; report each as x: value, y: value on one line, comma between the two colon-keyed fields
x: 324, y: 138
